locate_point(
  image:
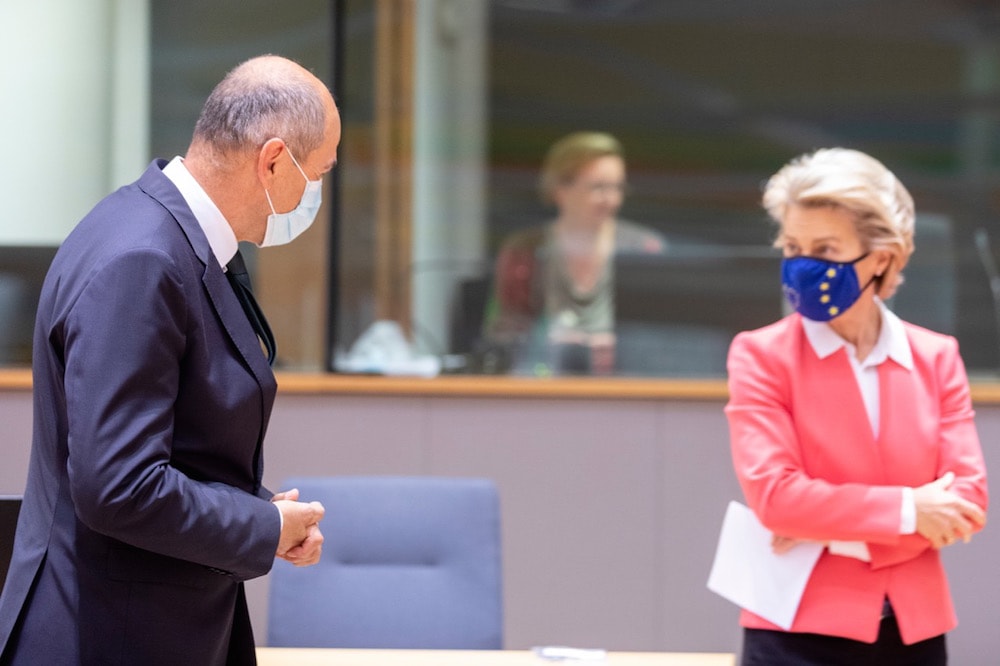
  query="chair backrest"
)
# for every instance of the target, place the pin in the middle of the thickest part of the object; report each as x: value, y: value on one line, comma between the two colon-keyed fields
x: 408, y: 562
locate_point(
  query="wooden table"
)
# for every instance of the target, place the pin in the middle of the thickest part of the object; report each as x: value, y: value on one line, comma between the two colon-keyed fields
x: 337, y: 657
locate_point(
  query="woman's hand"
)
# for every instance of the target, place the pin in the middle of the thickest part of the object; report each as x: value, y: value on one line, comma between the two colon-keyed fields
x: 782, y: 544
x: 943, y: 516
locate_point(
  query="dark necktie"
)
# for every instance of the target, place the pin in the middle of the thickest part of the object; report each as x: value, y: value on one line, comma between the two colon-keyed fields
x: 236, y: 271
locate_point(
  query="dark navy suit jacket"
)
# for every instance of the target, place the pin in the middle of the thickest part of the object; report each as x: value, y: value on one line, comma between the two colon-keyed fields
x: 143, y: 511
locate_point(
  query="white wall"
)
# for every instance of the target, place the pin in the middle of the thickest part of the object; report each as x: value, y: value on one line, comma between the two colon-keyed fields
x: 74, y: 112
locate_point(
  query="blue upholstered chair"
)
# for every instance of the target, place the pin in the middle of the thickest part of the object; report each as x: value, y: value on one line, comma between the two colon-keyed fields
x: 408, y: 562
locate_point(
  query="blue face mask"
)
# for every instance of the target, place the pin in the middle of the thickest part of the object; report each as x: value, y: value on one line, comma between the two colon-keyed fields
x: 819, y: 289
x: 283, y: 228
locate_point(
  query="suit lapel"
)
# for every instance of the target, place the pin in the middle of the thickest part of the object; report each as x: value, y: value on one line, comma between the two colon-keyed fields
x: 833, y: 424
x: 220, y: 293
x: 908, y: 430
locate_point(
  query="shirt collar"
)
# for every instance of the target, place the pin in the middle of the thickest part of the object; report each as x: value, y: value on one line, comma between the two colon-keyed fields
x: 220, y: 235
x: 892, y: 341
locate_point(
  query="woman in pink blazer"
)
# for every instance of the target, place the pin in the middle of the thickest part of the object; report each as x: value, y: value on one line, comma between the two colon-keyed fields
x: 853, y: 428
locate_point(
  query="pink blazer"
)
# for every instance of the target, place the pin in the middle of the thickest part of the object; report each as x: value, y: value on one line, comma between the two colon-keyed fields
x: 810, y: 468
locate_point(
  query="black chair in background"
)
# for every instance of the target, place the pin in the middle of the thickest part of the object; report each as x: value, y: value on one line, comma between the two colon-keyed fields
x: 10, y: 507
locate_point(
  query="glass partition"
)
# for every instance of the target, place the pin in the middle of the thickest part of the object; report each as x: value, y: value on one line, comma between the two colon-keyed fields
x: 453, y: 106
x: 450, y: 108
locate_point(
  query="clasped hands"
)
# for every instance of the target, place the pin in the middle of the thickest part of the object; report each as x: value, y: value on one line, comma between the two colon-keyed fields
x: 943, y: 517
x: 301, y: 541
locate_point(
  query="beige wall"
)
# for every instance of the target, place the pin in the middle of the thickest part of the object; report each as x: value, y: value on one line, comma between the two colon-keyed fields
x: 610, y: 509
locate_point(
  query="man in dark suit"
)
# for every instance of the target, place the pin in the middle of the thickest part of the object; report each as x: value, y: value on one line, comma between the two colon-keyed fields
x: 144, y: 511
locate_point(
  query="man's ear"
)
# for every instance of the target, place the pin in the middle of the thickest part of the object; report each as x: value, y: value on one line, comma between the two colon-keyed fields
x: 267, y: 158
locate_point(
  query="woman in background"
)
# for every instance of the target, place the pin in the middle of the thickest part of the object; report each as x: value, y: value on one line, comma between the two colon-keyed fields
x: 554, y: 286
x: 853, y: 428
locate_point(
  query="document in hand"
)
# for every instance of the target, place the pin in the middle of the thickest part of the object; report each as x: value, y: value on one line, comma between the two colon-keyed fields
x: 748, y: 573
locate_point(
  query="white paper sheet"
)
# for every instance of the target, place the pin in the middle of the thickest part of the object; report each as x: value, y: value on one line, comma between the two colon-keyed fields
x: 747, y: 572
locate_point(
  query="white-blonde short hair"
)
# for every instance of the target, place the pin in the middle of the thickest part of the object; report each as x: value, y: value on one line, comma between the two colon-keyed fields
x: 852, y: 180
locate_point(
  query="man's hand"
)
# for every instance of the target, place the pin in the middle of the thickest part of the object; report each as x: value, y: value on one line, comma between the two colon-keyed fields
x: 292, y: 494
x: 301, y: 541
x: 943, y: 516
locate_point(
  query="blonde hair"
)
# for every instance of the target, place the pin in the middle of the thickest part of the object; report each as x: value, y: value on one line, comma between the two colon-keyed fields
x: 569, y: 155
x: 854, y: 181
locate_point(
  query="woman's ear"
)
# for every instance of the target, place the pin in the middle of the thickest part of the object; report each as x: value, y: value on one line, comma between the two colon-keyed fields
x: 888, y: 273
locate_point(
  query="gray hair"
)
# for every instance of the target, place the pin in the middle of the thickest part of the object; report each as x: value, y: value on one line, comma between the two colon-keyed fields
x: 849, y: 179
x: 261, y: 99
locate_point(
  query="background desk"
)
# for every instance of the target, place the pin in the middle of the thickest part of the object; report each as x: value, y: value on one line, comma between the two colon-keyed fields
x: 310, y: 657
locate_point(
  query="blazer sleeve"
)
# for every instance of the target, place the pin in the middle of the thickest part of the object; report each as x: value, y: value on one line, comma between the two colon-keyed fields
x: 959, y: 446
x: 961, y: 452
x: 768, y: 461
x: 124, y: 337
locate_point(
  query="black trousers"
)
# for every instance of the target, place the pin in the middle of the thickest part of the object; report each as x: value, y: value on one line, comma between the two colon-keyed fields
x: 762, y: 647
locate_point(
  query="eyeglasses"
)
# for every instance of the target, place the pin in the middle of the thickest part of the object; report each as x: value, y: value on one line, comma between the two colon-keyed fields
x: 605, y: 188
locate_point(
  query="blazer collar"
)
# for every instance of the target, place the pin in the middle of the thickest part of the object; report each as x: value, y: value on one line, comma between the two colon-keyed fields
x: 892, y: 341
x: 154, y: 183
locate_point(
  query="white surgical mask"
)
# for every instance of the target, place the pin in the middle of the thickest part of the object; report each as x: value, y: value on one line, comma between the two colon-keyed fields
x: 283, y: 228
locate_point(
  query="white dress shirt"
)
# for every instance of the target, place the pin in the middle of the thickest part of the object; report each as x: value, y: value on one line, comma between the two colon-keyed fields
x: 220, y: 235
x: 891, y: 343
